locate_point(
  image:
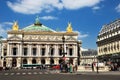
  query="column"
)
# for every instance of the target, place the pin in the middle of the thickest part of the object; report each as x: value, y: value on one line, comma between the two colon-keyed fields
x: 56, y: 51
x: 8, y: 49
x: 38, y: 50
x: 18, y: 62
x: 46, y: 51
x: 47, y: 61
x: 29, y: 50
x: 47, y: 47
x: 20, y: 49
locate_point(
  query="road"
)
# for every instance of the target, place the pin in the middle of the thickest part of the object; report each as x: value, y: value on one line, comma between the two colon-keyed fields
x: 52, y: 75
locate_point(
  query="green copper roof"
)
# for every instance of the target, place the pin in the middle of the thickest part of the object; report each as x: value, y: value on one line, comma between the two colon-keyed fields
x: 37, y: 26
x: 41, y: 28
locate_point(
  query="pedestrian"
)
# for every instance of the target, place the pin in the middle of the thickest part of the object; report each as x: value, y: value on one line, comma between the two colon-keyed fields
x: 61, y: 67
x: 92, y: 66
x: 71, y: 68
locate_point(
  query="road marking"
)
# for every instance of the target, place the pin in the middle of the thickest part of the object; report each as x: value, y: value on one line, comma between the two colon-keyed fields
x: 6, y: 73
x: 40, y: 72
x: 23, y: 73
x: 46, y: 72
x: 35, y: 73
x: 29, y: 73
x: 12, y: 73
x: 17, y: 73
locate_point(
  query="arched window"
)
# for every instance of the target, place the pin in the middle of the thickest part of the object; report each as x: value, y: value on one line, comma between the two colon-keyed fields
x: 43, y: 61
x: 60, y: 61
x: 14, y: 62
x: 34, y: 61
x: 24, y: 61
x: 51, y: 61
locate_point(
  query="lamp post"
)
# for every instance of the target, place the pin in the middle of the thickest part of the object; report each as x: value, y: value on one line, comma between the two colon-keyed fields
x: 63, y: 57
x: 63, y: 40
x: 50, y: 53
x: 97, y: 67
x: 1, y: 48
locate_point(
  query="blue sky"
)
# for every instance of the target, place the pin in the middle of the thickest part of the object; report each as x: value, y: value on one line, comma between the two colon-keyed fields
x: 86, y: 16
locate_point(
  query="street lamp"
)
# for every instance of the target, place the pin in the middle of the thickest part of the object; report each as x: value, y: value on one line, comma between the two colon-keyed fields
x: 63, y: 57
x: 97, y: 67
x: 50, y: 53
x: 63, y: 39
x: 1, y: 47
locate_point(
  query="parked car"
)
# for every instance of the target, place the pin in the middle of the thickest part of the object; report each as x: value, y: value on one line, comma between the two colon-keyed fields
x: 56, y: 67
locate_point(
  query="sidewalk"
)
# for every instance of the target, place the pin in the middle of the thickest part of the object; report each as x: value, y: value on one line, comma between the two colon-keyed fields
x: 99, y: 73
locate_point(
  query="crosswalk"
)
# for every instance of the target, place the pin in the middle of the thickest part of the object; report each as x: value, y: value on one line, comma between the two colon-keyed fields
x: 29, y: 73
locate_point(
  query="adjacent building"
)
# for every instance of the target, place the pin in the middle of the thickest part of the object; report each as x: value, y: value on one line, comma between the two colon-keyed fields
x: 108, y: 42
x: 88, y: 56
x: 37, y: 44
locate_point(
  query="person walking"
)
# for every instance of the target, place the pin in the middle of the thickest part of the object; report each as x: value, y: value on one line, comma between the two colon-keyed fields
x: 71, y: 68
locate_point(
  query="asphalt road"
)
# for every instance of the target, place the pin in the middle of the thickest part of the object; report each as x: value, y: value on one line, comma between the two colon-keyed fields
x: 52, y: 75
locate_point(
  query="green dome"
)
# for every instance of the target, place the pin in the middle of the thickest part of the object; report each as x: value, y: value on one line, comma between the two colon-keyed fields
x: 41, y: 28
x: 37, y: 26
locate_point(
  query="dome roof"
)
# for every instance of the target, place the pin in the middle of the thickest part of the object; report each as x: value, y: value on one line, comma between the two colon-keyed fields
x: 38, y: 28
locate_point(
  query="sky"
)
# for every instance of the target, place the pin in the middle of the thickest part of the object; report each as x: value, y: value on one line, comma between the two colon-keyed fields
x: 86, y: 16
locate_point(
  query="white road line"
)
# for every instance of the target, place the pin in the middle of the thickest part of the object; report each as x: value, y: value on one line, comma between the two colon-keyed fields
x: 12, y: 73
x: 40, y: 72
x: 6, y: 73
x: 35, y: 73
x: 17, y: 73
x: 29, y: 73
x: 23, y: 73
x: 46, y: 72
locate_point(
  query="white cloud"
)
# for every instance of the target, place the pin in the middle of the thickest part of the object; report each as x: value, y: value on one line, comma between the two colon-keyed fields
x: 4, y: 27
x: 80, y: 35
x: 118, y: 8
x: 37, y: 6
x: 96, y: 8
x: 83, y: 49
x: 48, y: 17
x: 76, y: 4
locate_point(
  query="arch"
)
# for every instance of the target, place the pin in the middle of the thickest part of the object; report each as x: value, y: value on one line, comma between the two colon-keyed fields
x: 14, y: 62
x: 60, y: 61
x: 71, y: 60
x: 4, y: 64
x: 51, y: 61
x: 42, y: 61
x: 24, y: 61
x: 34, y: 61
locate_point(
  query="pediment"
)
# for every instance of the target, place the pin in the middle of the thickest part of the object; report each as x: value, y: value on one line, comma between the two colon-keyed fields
x: 71, y: 38
x: 14, y: 38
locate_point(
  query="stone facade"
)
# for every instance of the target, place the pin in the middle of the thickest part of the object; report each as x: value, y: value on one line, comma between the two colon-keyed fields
x: 38, y: 45
x: 108, y: 41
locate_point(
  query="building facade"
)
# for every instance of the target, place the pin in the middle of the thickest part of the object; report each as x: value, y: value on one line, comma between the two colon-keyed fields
x: 88, y: 57
x: 108, y: 42
x: 37, y: 45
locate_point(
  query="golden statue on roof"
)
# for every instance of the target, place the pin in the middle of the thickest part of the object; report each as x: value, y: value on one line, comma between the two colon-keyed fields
x: 15, y: 26
x: 69, y: 28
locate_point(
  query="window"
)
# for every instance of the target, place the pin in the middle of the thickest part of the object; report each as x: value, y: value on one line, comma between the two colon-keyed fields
x: 70, y: 51
x: 52, y: 51
x: 43, y: 51
x: 60, y: 51
x: 34, y: 51
x: 14, y: 51
x: 25, y: 51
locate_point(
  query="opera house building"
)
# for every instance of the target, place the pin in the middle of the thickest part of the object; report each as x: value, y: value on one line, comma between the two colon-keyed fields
x: 37, y: 44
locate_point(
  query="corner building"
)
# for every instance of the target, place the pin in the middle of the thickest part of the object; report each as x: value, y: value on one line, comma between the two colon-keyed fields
x: 108, y: 42
x: 37, y: 45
